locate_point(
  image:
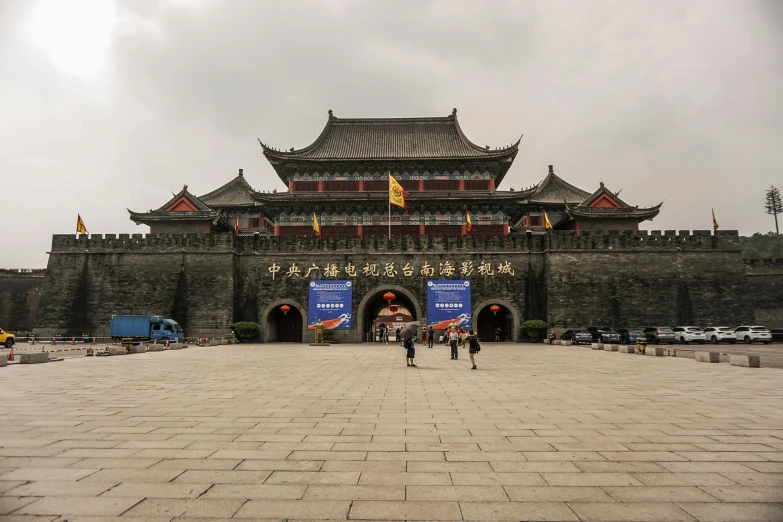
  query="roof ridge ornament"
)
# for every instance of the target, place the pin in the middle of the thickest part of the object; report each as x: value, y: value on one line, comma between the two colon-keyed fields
x: 551, y: 169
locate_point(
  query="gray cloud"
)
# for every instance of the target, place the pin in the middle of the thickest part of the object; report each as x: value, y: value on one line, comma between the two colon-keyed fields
x: 664, y: 100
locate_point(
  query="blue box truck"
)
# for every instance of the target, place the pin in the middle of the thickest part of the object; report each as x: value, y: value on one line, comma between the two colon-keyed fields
x: 152, y: 327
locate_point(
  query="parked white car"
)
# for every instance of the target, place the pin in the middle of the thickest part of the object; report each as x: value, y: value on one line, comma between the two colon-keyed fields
x: 720, y: 334
x: 689, y: 334
x: 750, y: 334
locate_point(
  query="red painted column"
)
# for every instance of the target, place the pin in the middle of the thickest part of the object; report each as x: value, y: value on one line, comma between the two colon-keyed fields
x: 277, y: 230
x: 320, y: 185
x: 291, y: 185
x: 360, y: 230
x: 361, y: 186
x: 578, y: 231
x: 422, y: 231
x: 492, y: 184
x: 421, y: 185
x: 462, y: 184
x: 464, y: 229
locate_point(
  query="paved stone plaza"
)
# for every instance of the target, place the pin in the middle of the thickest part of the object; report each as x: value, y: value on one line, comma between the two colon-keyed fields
x: 295, y: 432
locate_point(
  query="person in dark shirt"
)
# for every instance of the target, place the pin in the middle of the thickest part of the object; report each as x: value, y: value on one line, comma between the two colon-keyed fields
x: 430, y: 337
x: 473, y: 347
x: 410, y: 351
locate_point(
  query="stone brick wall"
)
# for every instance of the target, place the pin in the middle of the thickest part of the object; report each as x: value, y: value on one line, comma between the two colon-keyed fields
x: 206, y: 282
x: 636, y: 279
x: 188, y: 278
x: 20, y: 292
x: 765, y: 286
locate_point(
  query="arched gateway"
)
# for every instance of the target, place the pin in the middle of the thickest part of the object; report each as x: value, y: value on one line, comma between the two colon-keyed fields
x: 486, y: 321
x: 284, y: 327
x: 373, y: 302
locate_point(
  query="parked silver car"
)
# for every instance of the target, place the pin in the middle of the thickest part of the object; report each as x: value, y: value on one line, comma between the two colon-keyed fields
x: 720, y: 334
x: 659, y: 334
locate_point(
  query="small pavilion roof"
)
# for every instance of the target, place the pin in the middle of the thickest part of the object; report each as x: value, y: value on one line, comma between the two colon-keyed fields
x: 602, y: 190
x: 236, y: 192
x: 640, y: 214
x: 184, y: 193
x: 553, y: 189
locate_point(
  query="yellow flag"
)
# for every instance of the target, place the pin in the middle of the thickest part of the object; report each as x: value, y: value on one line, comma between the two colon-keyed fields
x: 714, y: 221
x: 469, y: 222
x: 80, y: 228
x: 547, y: 224
x: 316, y: 226
x: 397, y: 193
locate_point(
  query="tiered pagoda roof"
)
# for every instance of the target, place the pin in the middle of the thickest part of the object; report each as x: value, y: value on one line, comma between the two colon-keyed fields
x: 390, y: 139
x: 605, y: 204
x: 186, y: 206
x: 235, y: 193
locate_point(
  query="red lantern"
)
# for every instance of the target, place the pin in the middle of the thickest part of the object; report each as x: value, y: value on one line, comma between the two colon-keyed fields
x: 285, y: 309
x: 389, y: 297
x: 495, y: 309
x: 393, y: 308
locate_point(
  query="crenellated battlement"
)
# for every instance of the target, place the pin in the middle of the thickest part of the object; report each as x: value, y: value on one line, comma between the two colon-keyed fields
x: 561, y: 240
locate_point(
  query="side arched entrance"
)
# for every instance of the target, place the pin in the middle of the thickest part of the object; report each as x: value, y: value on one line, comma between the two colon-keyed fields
x: 279, y: 327
x: 485, y: 322
x: 372, y: 303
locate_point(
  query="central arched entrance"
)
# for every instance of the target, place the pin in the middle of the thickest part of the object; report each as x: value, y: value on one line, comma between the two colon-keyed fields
x: 283, y: 326
x: 486, y: 321
x: 373, y: 304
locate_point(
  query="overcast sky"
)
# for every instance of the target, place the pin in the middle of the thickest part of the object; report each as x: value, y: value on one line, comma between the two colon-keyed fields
x: 106, y: 106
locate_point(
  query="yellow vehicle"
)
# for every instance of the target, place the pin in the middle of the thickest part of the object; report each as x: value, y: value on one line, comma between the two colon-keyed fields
x: 6, y: 339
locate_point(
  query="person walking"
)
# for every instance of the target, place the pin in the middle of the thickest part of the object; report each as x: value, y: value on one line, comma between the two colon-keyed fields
x: 473, y: 347
x: 397, y: 338
x: 498, y: 331
x: 453, y: 338
x: 430, y: 337
x: 410, y: 351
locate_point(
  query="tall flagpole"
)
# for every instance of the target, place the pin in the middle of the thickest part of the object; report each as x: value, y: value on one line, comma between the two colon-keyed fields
x: 389, y: 172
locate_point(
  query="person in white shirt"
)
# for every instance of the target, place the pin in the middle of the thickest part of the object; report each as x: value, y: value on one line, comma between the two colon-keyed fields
x: 453, y: 338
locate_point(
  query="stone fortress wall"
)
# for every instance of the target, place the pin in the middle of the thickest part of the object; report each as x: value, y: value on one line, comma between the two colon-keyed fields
x: 20, y: 293
x: 206, y: 282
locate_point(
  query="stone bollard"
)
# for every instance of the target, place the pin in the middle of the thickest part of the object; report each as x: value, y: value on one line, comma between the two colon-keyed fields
x: 654, y: 351
x: 140, y: 348
x: 155, y: 348
x: 627, y: 348
x: 611, y: 347
x: 707, y: 357
x: 34, y: 358
x: 174, y: 346
x: 748, y: 361
x: 3, y: 361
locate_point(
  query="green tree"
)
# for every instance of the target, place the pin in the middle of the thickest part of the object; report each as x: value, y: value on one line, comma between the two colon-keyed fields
x: 773, y: 205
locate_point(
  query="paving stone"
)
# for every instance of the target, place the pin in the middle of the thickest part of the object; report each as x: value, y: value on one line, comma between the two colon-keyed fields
x: 10, y: 504
x: 727, y: 512
x: 390, y: 510
x: 139, y: 476
x: 256, y: 491
x: 557, y: 494
x: 295, y: 509
x: 93, y: 506
x: 197, y: 476
x: 282, y: 465
x: 683, y: 479
x: 198, y: 507
x: 746, y: 494
x: 364, y: 465
x: 47, y: 474
x: 60, y: 489
x: 500, y: 479
x: 314, y: 477
x: 543, y: 511
x: 630, y: 512
x: 455, y: 493
x: 659, y: 494
x: 159, y: 490
x: 326, y: 492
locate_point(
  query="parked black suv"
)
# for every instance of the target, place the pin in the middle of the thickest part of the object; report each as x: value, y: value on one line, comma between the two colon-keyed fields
x: 603, y: 334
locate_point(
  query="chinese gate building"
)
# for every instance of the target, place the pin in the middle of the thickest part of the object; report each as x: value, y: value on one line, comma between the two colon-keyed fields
x: 236, y: 254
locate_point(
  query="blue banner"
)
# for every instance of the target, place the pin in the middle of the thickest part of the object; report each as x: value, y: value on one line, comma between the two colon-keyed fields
x: 448, y: 302
x: 330, y: 301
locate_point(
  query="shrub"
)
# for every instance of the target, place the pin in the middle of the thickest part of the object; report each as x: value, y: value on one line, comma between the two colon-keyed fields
x: 535, y: 329
x: 247, y: 331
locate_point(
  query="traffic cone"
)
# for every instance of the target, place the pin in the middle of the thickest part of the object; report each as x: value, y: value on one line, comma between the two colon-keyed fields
x: 54, y: 341
x: 89, y: 350
x: 198, y: 342
x: 73, y: 340
x: 93, y: 341
x: 33, y: 343
x: 167, y: 344
x: 11, y: 355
